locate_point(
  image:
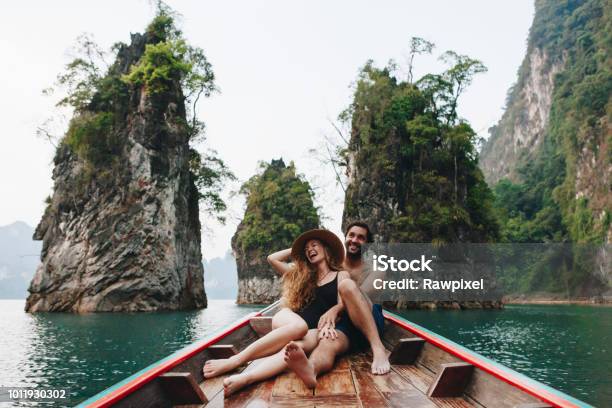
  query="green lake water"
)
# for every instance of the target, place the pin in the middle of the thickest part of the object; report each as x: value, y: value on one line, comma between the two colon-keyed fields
x: 567, y: 347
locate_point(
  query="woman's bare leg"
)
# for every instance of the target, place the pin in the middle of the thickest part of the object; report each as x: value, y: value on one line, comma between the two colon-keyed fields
x: 267, y: 367
x: 286, y: 326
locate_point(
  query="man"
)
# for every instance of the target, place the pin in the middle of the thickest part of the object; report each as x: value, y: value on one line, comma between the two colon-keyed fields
x: 360, y: 324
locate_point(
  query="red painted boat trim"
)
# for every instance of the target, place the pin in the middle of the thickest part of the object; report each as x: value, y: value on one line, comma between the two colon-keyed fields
x: 125, y: 390
x: 508, y: 377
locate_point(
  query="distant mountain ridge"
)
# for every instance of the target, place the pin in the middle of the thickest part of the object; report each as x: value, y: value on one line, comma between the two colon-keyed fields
x: 19, y: 256
x: 221, y: 277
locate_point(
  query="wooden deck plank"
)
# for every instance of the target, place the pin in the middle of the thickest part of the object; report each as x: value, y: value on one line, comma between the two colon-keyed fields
x: 212, y: 386
x: 264, y: 395
x: 342, y: 363
x: 422, y: 379
x: 350, y: 384
x: 367, y: 393
x: 335, y: 382
x: 418, y: 377
x: 392, y: 389
x: 336, y: 401
x: 408, y: 398
x: 341, y: 400
x: 255, y: 395
x: 217, y: 401
x: 241, y: 398
x: 290, y: 385
x: 288, y: 401
x: 451, y: 403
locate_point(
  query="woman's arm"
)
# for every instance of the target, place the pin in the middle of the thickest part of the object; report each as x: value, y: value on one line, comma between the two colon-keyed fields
x: 278, y: 261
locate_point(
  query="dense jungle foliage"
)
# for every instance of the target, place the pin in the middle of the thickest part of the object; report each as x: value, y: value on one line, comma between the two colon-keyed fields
x: 543, y: 205
x: 171, y: 72
x: 408, y: 141
x: 279, y: 207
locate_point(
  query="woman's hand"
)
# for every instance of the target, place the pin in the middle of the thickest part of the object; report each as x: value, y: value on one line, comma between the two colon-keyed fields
x: 329, y: 318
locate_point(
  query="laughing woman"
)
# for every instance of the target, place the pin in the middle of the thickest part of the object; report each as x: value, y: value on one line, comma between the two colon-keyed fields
x: 310, y: 289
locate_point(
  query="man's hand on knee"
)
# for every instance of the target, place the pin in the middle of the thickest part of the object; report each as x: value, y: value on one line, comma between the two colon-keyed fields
x: 328, y: 332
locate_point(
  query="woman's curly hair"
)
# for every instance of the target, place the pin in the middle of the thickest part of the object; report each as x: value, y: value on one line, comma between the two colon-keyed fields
x: 299, y: 285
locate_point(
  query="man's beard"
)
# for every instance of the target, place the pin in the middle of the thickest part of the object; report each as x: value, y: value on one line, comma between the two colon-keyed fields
x: 353, y: 256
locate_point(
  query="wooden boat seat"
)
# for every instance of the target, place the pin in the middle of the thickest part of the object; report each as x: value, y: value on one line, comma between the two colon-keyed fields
x: 406, y: 350
x: 182, y: 389
x: 218, y: 351
x: 451, y: 380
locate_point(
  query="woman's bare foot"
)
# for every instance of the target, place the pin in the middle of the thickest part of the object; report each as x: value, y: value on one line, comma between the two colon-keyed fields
x: 234, y: 383
x: 380, y: 361
x: 298, y: 363
x: 213, y: 368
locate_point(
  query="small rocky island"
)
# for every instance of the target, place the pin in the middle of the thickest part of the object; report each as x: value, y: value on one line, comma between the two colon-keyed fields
x: 279, y: 207
x: 121, y: 232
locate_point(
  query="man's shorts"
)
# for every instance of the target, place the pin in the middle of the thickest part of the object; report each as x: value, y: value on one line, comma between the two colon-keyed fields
x: 358, y: 341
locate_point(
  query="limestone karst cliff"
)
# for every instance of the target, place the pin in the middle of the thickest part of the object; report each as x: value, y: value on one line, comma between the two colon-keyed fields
x: 121, y: 231
x: 549, y: 158
x: 411, y: 163
x: 279, y: 207
x: 522, y: 129
x: 551, y: 148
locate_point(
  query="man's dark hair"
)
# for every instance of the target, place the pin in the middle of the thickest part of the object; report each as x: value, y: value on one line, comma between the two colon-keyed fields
x: 369, y: 236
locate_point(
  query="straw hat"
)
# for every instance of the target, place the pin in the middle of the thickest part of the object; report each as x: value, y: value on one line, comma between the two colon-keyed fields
x: 336, y: 246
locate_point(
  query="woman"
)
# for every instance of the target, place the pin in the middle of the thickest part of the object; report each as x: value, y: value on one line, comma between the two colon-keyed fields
x: 309, y: 291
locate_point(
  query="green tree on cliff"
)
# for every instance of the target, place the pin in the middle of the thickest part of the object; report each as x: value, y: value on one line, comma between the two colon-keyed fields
x: 420, y: 158
x: 99, y: 97
x: 279, y: 207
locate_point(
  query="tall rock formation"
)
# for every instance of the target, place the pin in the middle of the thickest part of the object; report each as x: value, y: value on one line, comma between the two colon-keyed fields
x: 121, y: 231
x: 279, y: 207
x: 552, y: 147
x: 411, y: 164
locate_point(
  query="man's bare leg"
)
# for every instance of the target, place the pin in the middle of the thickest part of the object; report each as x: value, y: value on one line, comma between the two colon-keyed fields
x: 287, y: 326
x: 359, y: 311
x: 320, y: 361
x: 266, y: 367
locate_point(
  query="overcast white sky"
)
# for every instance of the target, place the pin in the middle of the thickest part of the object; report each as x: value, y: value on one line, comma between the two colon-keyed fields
x: 284, y: 69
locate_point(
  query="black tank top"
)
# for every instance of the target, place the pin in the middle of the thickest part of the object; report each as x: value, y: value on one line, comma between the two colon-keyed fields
x: 325, y: 297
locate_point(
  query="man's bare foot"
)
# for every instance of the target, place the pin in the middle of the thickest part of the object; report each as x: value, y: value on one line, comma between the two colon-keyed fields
x: 298, y: 363
x: 234, y: 383
x: 213, y: 368
x: 380, y: 361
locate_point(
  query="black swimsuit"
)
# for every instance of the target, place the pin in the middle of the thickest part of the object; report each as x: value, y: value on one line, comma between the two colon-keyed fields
x: 325, y: 297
